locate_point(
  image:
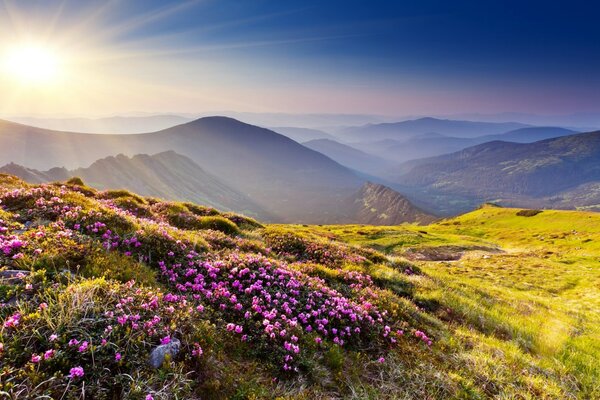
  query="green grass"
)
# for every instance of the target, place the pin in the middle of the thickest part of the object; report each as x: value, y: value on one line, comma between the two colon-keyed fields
x: 525, y: 320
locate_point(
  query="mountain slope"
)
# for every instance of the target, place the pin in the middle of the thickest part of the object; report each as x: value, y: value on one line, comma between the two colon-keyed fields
x: 347, y: 155
x: 275, y: 171
x: 509, y: 170
x: 406, y: 129
x: 376, y: 204
x: 303, y: 134
x: 166, y: 175
x: 116, y: 124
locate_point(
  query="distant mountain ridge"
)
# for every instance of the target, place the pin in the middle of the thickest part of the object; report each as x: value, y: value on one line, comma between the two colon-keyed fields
x: 348, y: 156
x: 406, y: 129
x: 511, y: 172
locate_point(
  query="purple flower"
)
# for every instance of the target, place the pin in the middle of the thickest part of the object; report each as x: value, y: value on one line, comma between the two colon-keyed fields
x: 76, y: 372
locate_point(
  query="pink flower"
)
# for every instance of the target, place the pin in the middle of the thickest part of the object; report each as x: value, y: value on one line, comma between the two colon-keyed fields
x: 53, y: 337
x: 35, y: 358
x: 83, y: 347
x: 49, y: 354
x: 76, y: 372
x: 197, y: 350
x: 149, y: 397
x: 118, y: 357
x: 73, y: 342
x: 43, y: 306
x: 12, y: 321
x: 165, y: 340
x: 230, y: 327
x: 381, y: 360
x: 1, y: 347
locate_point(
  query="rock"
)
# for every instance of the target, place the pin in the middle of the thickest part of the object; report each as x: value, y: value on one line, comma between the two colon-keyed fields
x: 158, y: 355
x: 13, y: 275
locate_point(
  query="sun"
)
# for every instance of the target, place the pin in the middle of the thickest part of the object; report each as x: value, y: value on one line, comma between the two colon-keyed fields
x: 32, y: 64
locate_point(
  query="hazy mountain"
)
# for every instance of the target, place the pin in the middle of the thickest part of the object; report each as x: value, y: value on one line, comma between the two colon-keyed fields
x: 377, y: 204
x: 301, y: 135
x: 166, y: 175
x: 510, y: 172
x: 429, y: 145
x: 406, y: 129
x: 288, y: 179
x: 348, y: 156
x: 117, y: 124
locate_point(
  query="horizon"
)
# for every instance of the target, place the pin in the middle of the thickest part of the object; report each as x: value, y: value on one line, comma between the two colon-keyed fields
x: 389, y: 59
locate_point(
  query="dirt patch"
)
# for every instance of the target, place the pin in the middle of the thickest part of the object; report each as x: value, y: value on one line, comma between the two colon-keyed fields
x: 445, y: 253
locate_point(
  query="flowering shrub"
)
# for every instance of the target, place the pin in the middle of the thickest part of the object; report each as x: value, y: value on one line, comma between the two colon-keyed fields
x: 221, y: 286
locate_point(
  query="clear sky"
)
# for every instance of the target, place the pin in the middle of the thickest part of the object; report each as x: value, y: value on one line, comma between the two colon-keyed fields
x: 422, y: 57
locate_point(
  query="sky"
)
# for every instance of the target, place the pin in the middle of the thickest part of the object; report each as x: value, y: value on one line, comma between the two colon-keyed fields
x: 94, y: 58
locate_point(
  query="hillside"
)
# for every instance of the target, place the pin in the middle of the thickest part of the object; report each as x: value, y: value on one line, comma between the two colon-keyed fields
x: 406, y: 129
x: 376, y: 204
x: 275, y: 171
x: 348, y: 156
x: 509, y: 171
x: 166, y: 175
x: 102, y: 289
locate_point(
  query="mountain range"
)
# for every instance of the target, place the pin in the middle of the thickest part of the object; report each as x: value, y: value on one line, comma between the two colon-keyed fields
x: 547, y: 173
x: 406, y: 129
x: 434, y: 144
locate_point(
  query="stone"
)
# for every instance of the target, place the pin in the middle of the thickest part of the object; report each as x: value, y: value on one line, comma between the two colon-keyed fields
x: 158, y: 355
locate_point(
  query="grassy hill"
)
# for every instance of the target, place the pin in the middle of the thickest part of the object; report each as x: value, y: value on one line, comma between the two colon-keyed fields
x: 290, y: 311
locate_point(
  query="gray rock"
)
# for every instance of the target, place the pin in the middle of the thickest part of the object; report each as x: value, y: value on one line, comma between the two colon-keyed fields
x: 158, y: 355
x: 13, y: 275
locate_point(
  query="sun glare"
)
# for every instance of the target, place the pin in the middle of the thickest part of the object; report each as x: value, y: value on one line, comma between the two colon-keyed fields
x: 32, y: 64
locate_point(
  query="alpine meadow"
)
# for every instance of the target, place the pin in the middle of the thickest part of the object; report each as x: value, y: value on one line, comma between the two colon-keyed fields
x: 297, y: 200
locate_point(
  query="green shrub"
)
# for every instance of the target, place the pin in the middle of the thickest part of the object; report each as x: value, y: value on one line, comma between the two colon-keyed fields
x: 528, y: 213
x: 218, y: 223
x: 75, y: 181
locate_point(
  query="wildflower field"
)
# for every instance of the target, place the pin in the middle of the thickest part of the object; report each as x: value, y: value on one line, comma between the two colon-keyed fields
x: 92, y: 282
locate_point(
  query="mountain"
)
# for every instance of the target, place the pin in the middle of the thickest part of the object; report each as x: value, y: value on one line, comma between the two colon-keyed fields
x: 376, y: 204
x: 117, y: 124
x: 510, y: 172
x: 406, y: 129
x: 301, y: 135
x: 348, y: 156
x: 166, y: 175
x: 429, y: 144
x: 291, y: 181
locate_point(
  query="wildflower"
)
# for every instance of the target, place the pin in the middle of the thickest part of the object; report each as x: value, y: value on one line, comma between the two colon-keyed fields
x: 197, y: 350
x: 49, y: 354
x: 35, y: 358
x: 12, y: 321
x: 165, y: 340
x: 73, y: 342
x: 149, y: 397
x: 43, y: 306
x: 381, y: 360
x: 53, y: 337
x: 76, y: 372
x: 118, y: 357
x: 83, y: 347
x: 230, y: 327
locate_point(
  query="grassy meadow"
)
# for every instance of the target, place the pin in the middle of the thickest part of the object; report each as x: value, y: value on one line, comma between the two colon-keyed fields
x: 521, y: 305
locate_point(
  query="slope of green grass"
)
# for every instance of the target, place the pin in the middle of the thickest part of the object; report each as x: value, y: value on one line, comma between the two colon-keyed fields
x: 534, y: 306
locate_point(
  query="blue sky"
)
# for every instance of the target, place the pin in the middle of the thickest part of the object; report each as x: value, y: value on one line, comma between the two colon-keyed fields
x: 385, y: 57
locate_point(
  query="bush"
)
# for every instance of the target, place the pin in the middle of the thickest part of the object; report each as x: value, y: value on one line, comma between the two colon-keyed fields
x: 218, y: 223
x: 528, y: 213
